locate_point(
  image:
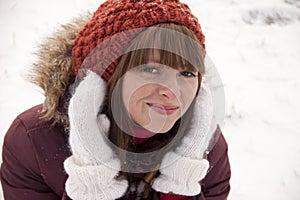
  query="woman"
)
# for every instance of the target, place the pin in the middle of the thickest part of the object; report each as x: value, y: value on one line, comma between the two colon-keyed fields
x: 127, y: 113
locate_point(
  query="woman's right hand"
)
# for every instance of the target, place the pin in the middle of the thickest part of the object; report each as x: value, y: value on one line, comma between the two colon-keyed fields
x: 93, y: 167
x: 88, y: 138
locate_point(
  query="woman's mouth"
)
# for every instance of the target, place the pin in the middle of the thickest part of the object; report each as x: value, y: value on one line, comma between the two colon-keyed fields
x: 163, y: 109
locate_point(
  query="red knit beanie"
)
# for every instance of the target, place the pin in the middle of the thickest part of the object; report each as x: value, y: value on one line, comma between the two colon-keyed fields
x: 117, y: 16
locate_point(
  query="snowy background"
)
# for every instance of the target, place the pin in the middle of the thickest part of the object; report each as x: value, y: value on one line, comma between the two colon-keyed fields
x: 256, y: 49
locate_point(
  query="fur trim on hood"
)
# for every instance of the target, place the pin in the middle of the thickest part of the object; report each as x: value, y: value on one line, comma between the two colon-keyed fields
x: 53, y: 71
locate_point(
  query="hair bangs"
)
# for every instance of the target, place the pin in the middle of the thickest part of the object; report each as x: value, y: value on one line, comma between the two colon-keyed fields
x: 176, y: 46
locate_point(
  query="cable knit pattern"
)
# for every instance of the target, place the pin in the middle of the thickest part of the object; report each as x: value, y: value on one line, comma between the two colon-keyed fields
x: 95, y: 182
x: 93, y: 166
x: 182, y: 176
x: 182, y: 168
x: 194, y: 143
x: 128, y: 17
x: 86, y: 138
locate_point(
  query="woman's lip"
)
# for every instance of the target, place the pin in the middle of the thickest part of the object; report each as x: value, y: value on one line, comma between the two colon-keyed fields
x: 163, y: 109
x: 161, y: 106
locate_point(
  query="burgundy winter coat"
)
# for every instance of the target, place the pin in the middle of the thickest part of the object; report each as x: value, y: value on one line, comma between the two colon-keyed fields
x: 34, y: 152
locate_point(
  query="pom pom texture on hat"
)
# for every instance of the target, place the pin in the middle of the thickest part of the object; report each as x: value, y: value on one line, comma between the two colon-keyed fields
x: 127, y: 17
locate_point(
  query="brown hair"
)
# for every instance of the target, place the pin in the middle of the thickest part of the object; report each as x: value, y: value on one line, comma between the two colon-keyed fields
x: 138, y: 57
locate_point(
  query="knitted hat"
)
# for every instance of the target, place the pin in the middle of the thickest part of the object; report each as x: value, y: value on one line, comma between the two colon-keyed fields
x: 126, y: 18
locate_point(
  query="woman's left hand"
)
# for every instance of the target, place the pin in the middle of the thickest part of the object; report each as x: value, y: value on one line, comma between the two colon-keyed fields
x: 182, y: 168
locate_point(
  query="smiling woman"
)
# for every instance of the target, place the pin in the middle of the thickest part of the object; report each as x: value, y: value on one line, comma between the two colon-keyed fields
x: 127, y: 114
x: 160, y: 89
x: 160, y: 83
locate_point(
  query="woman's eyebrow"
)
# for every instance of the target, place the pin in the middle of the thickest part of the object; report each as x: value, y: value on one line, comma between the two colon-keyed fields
x: 188, y: 67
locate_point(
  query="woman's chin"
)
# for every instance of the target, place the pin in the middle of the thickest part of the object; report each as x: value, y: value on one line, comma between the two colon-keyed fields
x: 158, y: 129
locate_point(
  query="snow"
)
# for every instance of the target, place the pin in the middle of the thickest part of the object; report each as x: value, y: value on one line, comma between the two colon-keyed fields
x: 255, y: 47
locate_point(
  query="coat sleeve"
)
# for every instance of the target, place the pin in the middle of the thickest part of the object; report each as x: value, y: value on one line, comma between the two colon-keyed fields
x: 20, y: 174
x: 216, y: 186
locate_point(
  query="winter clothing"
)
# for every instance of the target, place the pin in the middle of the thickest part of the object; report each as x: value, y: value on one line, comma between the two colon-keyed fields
x: 91, y: 173
x: 131, y: 16
x: 181, y: 170
x: 35, y: 149
x: 34, y: 152
x: 184, y: 167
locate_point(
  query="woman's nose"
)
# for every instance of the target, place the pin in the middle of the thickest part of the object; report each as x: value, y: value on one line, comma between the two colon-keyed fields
x: 169, y: 88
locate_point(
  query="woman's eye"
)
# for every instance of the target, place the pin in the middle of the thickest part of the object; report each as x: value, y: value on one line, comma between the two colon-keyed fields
x: 150, y: 69
x: 188, y: 74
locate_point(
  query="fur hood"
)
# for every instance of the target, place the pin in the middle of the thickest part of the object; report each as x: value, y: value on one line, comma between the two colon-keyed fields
x: 53, y: 71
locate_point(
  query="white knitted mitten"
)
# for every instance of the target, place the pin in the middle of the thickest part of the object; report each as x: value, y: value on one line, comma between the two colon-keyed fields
x: 93, y: 166
x: 182, y: 168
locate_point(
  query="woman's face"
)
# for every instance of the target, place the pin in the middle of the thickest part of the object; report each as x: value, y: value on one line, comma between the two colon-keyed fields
x: 156, y: 96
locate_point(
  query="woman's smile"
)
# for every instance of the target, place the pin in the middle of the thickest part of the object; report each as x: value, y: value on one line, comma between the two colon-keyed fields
x: 156, y: 96
x: 163, y: 109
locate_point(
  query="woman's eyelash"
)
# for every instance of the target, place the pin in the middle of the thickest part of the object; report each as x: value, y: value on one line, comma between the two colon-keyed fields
x: 188, y: 74
x: 150, y: 69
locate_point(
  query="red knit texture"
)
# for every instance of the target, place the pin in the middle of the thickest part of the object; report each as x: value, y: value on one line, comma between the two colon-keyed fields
x: 116, y: 16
